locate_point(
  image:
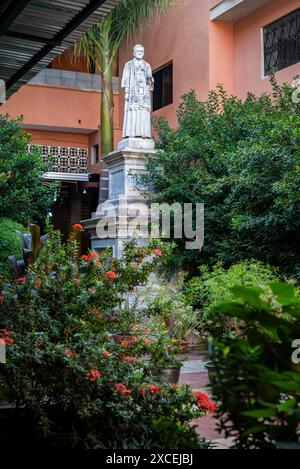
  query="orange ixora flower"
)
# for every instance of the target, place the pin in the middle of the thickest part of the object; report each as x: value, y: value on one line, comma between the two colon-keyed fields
x: 78, y: 227
x: 6, y: 337
x: 148, y: 341
x: 98, y: 314
x: 157, y: 252
x: 21, y: 280
x: 93, y: 375
x: 105, y: 354
x: 2, y: 299
x: 153, y: 388
x: 125, y: 343
x: 204, y: 403
x: 38, y: 283
x: 77, y: 281
x: 70, y: 353
x: 89, y: 257
x: 111, y: 274
x: 129, y: 359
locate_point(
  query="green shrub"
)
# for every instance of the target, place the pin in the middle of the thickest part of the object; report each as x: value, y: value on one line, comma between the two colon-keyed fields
x: 241, y: 159
x: 71, y: 377
x: 10, y: 243
x: 256, y: 378
x: 24, y: 195
x: 213, y: 286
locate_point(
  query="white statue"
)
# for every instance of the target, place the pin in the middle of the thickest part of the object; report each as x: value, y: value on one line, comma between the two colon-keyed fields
x: 138, y: 83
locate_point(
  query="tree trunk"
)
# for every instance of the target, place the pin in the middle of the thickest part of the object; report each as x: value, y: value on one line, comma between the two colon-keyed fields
x: 107, y: 107
x: 107, y: 121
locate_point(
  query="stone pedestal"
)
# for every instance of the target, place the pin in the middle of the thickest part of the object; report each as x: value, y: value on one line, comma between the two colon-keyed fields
x: 124, y: 215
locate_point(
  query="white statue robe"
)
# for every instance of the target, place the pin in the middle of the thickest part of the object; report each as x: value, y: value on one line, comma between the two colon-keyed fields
x: 138, y: 83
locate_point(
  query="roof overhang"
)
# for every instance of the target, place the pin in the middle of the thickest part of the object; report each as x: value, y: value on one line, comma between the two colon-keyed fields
x: 234, y: 10
x: 68, y: 177
x: 34, y: 32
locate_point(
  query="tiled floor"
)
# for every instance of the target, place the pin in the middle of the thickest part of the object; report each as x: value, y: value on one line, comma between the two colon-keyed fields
x: 194, y: 373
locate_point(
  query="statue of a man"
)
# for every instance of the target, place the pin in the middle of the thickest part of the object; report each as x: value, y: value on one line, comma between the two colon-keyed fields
x: 138, y: 83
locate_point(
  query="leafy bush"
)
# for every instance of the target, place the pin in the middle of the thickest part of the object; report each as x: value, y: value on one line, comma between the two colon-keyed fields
x: 24, y: 196
x: 213, y: 286
x: 72, y: 379
x: 241, y: 159
x: 255, y: 379
x: 10, y: 243
x: 164, y: 302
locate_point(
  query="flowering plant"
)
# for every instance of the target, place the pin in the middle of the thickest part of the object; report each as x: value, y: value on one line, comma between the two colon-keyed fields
x: 66, y: 373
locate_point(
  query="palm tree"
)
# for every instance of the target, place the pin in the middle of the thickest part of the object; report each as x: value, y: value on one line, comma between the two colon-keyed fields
x: 100, y: 46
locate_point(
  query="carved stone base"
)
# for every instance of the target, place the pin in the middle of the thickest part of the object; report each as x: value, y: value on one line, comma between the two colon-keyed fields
x: 125, y: 212
x: 136, y: 144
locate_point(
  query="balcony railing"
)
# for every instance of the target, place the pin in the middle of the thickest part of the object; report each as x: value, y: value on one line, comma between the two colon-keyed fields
x: 68, y: 160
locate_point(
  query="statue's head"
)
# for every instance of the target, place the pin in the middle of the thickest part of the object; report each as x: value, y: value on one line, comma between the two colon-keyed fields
x: 139, y: 52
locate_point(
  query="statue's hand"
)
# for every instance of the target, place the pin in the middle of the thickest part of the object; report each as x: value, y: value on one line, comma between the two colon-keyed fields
x: 126, y: 96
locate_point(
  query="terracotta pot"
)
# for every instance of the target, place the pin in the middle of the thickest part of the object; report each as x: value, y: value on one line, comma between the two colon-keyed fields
x: 183, y: 345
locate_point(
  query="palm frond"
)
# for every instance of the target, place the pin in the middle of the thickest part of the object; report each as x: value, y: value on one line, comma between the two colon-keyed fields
x: 129, y: 17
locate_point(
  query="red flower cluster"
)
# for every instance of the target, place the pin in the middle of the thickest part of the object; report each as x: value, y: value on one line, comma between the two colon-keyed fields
x: 148, y: 341
x: 21, y: 280
x: 105, y: 354
x: 78, y: 227
x: 38, y: 283
x: 2, y: 298
x: 6, y: 337
x: 70, y: 353
x: 111, y: 274
x: 122, y: 389
x: 157, y: 252
x: 132, y: 340
x: 152, y: 388
x: 93, y: 375
x: 204, y: 403
x: 98, y: 314
x: 76, y: 281
x: 89, y: 257
x: 129, y: 359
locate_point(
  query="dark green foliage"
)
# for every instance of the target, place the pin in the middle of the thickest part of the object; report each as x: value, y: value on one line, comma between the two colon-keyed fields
x: 256, y: 380
x: 10, y: 243
x: 213, y: 286
x: 241, y: 159
x: 70, y: 378
x: 24, y: 196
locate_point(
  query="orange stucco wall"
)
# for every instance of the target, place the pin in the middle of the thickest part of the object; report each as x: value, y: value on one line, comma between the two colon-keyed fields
x: 58, y: 107
x: 203, y: 53
x: 180, y: 36
x: 206, y: 52
x: 248, y: 48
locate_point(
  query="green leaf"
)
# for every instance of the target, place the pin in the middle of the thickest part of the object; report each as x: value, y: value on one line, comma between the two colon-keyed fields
x: 283, y: 291
x: 259, y: 413
x: 250, y: 295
